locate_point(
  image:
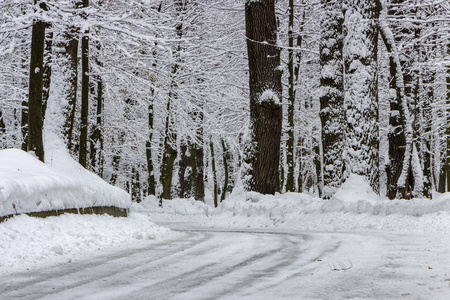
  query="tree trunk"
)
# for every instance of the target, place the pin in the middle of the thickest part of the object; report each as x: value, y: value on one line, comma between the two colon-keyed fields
x: 46, y: 79
x: 96, y: 144
x: 35, y: 142
x: 226, y: 162
x: 263, y: 153
x: 185, y: 171
x: 84, y: 95
x: 151, y: 174
x: 361, y: 90
x: 169, y: 155
x: 290, y: 186
x: 71, y: 51
x: 332, y: 113
x: 213, y: 166
x: 400, y: 137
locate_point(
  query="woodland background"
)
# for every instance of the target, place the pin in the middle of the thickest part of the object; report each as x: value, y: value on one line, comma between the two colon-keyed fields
x: 153, y: 96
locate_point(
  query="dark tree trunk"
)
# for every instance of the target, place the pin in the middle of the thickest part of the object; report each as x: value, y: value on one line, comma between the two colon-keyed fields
x: 332, y: 113
x: 2, y: 131
x: 96, y: 144
x: 263, y: 154
x: 213, y: 166
x: 198, y: 168
x: 47, y: 71
x: 290, y: 186
x: 185, y: 171
x: 151, y: 175
x: 72, y: 54
x: 169, y: 155
x: 82, y: 159
x: 24, y: 125
x: 226, y: 162
x: 35, y: 142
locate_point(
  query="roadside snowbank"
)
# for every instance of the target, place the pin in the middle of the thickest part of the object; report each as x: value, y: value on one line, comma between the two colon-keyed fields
x: 354, y: 207
x: 25, y: 240
x: 28, y: 185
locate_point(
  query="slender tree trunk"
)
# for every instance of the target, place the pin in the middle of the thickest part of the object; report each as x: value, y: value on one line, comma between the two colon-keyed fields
x: 290, y: 186
x: 151, y: 174
x: 84, y: 95
x: 263, y: 153
x: 96, y: 144
x: 447, y: 132
x: 332, y: 113
x: 400, y: 137
x: 213, y: 166
x: 35, y: 141
x: 71, y: 50
x: 226, y: 162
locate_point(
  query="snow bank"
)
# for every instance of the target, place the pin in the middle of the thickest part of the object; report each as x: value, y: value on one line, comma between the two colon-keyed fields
x: 28, y: 185
x: 25, y: 239
x: 354, y: 207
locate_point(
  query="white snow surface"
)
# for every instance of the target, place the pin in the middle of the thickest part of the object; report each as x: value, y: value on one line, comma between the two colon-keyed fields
x: 28, y: 185
x: 354, y: 207
x: 363, y: 222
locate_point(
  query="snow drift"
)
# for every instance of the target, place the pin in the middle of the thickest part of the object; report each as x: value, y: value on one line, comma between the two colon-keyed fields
x: 28, y: 185
x: 353, y: 207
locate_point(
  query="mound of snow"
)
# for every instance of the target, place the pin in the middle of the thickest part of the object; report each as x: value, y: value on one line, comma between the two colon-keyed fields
x: 28, y: 185
x: 354, y: 189
x: 25, y: 240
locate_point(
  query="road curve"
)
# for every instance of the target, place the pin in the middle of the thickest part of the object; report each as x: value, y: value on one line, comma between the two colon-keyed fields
x: 226, y: 264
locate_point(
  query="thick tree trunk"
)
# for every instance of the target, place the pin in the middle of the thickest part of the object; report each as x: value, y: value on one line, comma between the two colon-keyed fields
x: 332, y: 113
x: 265, y: 97
x: 169, y: 155
x: 185, y: 171
x: 361, y: 90
x: 35, y: 142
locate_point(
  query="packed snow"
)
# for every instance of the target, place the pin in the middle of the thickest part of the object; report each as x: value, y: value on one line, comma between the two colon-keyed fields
x: 354, y: 207
x: 28, y: 185
x: 367, y: 230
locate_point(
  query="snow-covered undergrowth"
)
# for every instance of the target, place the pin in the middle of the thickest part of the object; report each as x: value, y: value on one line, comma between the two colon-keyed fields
x: 353, y: 207
x: 25, y: 240
x: 28, y: 185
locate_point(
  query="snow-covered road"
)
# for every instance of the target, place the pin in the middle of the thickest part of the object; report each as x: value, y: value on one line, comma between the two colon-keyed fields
x: 202, y: 263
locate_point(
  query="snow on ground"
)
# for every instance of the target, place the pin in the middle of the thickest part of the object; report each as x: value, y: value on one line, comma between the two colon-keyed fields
x: 28, y: 185
x: 353, y: 208
x: 27, y: 241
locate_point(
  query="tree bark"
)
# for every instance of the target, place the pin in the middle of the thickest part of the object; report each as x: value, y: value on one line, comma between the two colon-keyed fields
x: 35, y: 141
x: 332, y: 113
x: 263, y: 154
x: 82, y: 159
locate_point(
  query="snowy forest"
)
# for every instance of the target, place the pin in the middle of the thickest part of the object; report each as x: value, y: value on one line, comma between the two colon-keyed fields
x: 193, y: 98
